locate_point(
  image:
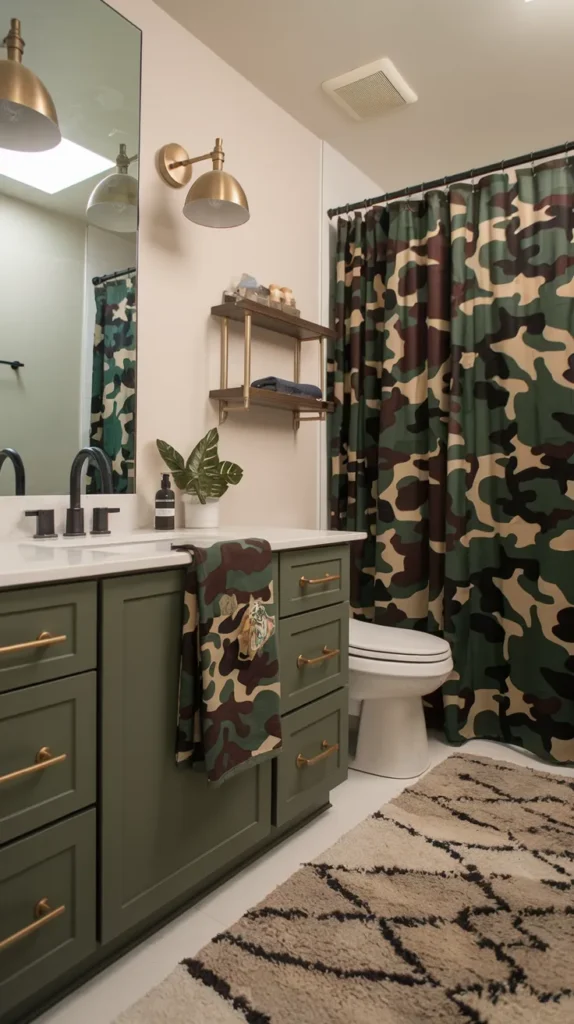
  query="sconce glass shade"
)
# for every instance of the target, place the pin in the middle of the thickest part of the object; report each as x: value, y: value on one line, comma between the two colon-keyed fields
x: 216, y: 200
x: 28, y: 119
x: 113, y: 205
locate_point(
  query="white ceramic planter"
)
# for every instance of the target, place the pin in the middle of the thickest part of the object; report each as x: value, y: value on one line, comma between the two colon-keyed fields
x: 198, y: 516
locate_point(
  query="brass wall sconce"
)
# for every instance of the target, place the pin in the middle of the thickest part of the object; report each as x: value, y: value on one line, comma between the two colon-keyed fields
x: 28, y: 119
x: 216, y: 199
x: 113, y: 205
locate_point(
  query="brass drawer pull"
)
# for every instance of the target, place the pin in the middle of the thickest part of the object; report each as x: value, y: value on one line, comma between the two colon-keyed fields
x: 308, y: 762
x: 44, y: 759
x: 42, y: 914
x: 44, y: 640
x: 304, y: 582
x: 302, y: 661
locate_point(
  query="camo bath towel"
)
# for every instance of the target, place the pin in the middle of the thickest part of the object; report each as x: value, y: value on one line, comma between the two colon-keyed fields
x: 229, y: 691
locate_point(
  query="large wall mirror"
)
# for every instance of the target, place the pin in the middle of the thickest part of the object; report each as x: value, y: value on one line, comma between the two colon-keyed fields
x: 68, y: 241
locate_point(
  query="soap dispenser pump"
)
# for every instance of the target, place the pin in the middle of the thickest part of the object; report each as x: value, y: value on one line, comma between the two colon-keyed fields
x: 165, y: 505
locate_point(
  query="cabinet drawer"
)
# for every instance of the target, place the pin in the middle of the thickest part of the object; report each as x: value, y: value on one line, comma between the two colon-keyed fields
x: 67, y: 613
x: 312, y: 578
x: 310, y: 668
x: 48, y: 900
x: 308, y: 766
x: 53, y: 725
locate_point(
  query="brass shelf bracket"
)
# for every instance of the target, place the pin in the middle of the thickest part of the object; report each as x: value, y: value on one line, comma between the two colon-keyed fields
x: 224, y: 368
x: 240, y: 399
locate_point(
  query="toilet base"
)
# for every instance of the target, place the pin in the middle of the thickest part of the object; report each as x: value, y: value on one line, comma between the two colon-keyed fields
x: 392, y: 739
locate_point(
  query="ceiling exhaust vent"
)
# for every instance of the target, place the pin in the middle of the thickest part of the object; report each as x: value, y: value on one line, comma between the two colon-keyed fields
x: 371, y: 90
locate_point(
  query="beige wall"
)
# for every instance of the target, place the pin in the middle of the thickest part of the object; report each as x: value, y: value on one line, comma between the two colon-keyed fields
x: 41, y: 323
x: 189, y: 96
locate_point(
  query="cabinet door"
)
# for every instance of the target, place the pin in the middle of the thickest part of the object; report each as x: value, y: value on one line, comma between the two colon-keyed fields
x: 164, y: 829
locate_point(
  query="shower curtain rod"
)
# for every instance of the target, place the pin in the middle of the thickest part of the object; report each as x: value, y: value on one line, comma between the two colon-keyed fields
x: 425, y: 186
x: 115, y: 273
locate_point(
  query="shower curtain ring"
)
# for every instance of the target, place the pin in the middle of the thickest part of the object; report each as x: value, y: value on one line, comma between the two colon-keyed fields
x: 532, y: 167
x: 445, y: 185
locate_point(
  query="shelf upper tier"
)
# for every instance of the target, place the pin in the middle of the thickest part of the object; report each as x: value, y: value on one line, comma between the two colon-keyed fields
x: 273, y: 320
x: 273, y: 400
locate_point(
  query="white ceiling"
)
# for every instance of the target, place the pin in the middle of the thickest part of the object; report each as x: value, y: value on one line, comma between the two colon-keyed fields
x: 88, y: 57
x: 494, y: 77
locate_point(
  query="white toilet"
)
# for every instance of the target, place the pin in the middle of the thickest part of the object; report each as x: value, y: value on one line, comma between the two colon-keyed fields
x: 390, y: 671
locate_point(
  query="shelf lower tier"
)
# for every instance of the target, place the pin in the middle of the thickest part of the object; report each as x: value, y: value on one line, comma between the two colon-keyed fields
x: 273, y: 400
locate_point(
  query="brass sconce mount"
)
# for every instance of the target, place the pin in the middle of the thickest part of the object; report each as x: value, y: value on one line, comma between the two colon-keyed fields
x: 13, y: 41
x: 175, y: 163
x: 123, y: 161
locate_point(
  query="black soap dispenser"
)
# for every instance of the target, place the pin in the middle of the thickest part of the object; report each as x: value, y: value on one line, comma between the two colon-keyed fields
x: 165, y: 506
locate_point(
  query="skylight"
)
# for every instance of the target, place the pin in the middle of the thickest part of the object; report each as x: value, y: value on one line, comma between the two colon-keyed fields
x: 54, y: 169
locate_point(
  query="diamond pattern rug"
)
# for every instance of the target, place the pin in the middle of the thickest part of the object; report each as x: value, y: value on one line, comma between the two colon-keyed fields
x: 454, y: 903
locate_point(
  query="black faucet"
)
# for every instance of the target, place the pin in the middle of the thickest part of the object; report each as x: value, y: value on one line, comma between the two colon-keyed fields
x: 75, y: 514
x: 19, y: 471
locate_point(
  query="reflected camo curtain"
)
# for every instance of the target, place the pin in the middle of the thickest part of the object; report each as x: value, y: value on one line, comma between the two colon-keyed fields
x: 113, y: 380
x: 452, y: 441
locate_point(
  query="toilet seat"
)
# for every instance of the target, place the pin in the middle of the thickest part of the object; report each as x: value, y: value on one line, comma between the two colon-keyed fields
x: 388, y: 643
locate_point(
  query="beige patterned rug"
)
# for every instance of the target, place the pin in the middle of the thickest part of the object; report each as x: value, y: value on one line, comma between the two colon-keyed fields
x: 453, y: 904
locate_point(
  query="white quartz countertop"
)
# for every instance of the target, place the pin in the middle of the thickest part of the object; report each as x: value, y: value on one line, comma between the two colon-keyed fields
x: 26, y: 560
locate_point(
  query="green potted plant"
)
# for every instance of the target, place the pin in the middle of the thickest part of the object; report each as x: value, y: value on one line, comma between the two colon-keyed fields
x: 203, y: 479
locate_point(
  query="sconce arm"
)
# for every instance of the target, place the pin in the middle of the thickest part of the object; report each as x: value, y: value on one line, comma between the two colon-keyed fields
x: 174, y: 164
x: 192, y: 160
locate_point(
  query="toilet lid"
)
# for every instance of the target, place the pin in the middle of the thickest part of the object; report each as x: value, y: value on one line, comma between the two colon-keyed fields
x: 387, y: 643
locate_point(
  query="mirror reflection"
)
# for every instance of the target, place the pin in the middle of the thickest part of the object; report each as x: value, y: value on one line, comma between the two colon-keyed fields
x: 69, y: 142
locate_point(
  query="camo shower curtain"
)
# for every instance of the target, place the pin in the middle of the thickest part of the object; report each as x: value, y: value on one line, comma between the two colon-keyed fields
x: 114, y: 379
x: 452, y: 440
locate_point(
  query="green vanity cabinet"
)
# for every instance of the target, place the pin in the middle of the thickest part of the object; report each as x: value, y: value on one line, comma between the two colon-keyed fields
x: 97, y: 822
x: 164, y: 829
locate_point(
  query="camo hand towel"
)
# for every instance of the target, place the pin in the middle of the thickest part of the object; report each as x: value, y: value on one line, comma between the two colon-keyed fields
x: 229, y: 691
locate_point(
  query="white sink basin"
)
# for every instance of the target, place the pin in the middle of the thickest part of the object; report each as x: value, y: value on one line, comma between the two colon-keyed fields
x: 90, y: 544
x: 150, y: 542
x: 141, y: 547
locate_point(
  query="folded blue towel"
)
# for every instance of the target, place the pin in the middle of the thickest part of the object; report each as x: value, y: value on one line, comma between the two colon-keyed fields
x: 288, y: 387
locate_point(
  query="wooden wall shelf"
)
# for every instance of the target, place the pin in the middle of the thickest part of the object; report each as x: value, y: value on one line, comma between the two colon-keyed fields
x: 272, y: 320
x: 273, y: 400
x: 253, y: 314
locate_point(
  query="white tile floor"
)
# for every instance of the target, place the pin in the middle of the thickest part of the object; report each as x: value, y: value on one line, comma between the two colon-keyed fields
x: 116, y: 988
